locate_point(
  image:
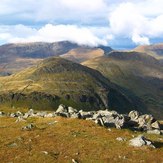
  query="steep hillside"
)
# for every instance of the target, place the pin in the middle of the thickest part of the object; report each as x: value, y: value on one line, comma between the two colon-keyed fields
x: 155, y: 50
x: 55, y: 81
x: 137, y: 72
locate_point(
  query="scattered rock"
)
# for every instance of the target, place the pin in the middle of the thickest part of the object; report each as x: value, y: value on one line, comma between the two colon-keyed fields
x: 141, y: 141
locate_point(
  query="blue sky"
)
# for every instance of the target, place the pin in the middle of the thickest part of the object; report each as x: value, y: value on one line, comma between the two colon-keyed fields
x: 118, y: 23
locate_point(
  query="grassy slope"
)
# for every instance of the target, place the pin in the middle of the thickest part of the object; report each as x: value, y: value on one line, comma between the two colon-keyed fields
x: 70, y: 139
x: 144, y: 79
x: 57, y: 76
x: 155, y: 50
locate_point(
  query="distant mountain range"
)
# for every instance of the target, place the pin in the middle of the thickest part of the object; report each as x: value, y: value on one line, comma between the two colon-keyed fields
x: 134, y: 78
x: 16, y: 57
x: 155, y: 50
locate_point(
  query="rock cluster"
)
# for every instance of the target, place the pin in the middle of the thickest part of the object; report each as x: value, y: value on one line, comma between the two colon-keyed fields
x: 134, y: 120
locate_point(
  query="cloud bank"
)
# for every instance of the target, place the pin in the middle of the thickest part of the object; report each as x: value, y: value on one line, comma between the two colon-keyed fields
x: 130, y: 20
x: 51, y: 33
x: 90, y: 22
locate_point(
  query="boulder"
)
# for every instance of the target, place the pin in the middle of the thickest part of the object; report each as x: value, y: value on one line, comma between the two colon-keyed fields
x: 31, y: 112
x: 75, y: 115
x: 155, y: 125
x: 156, y: 131
x: 49, y: 115
x: 71, y: 110
x: 62, y: 109
x: 140, y: 141
x: 134, y: 115
x: 84, y: 115
x: 100, y: 122
x: 145, y: 121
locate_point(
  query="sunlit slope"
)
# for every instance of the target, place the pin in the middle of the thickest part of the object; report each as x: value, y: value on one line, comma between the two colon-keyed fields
x: 56, y: 80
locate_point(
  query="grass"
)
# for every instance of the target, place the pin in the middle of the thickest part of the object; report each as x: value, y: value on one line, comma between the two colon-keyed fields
x: 70, y: 139
x: 85, y: 87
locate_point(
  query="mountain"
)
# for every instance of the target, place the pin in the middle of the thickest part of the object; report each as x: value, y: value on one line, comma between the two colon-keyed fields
x: 155, y: 50
x: 82, y: 54
x: 56, y: 80
x: 16, y: 57
x: 139, y: 73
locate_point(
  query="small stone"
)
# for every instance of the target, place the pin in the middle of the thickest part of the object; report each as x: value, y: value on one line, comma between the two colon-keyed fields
x: 120, y: 139
x: 52, y: 123
x: 13, y: 145
x: 45, y: 152
x: 109, y: 129
x: 74, y: 161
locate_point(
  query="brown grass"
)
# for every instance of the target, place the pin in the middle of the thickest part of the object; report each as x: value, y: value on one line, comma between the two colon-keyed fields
x: 71, y: 139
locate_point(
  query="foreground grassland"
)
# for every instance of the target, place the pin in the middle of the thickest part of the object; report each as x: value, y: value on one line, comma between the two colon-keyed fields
x: 61, y: 140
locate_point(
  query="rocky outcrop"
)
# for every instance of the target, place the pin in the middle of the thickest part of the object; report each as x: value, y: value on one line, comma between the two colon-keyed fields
x: 134, y: 120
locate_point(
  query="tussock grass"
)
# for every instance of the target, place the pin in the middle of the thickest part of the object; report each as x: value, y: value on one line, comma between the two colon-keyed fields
x: 71, y: 139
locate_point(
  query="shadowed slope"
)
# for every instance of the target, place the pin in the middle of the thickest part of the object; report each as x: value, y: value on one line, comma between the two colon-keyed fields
x: 138, y: 72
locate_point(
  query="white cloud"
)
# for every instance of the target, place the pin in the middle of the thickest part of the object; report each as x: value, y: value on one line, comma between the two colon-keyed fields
x: 137, y: 20
x: 51, y: 33
x: 54, y: 10
x: 140, y: 40
x: 130, y: 20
